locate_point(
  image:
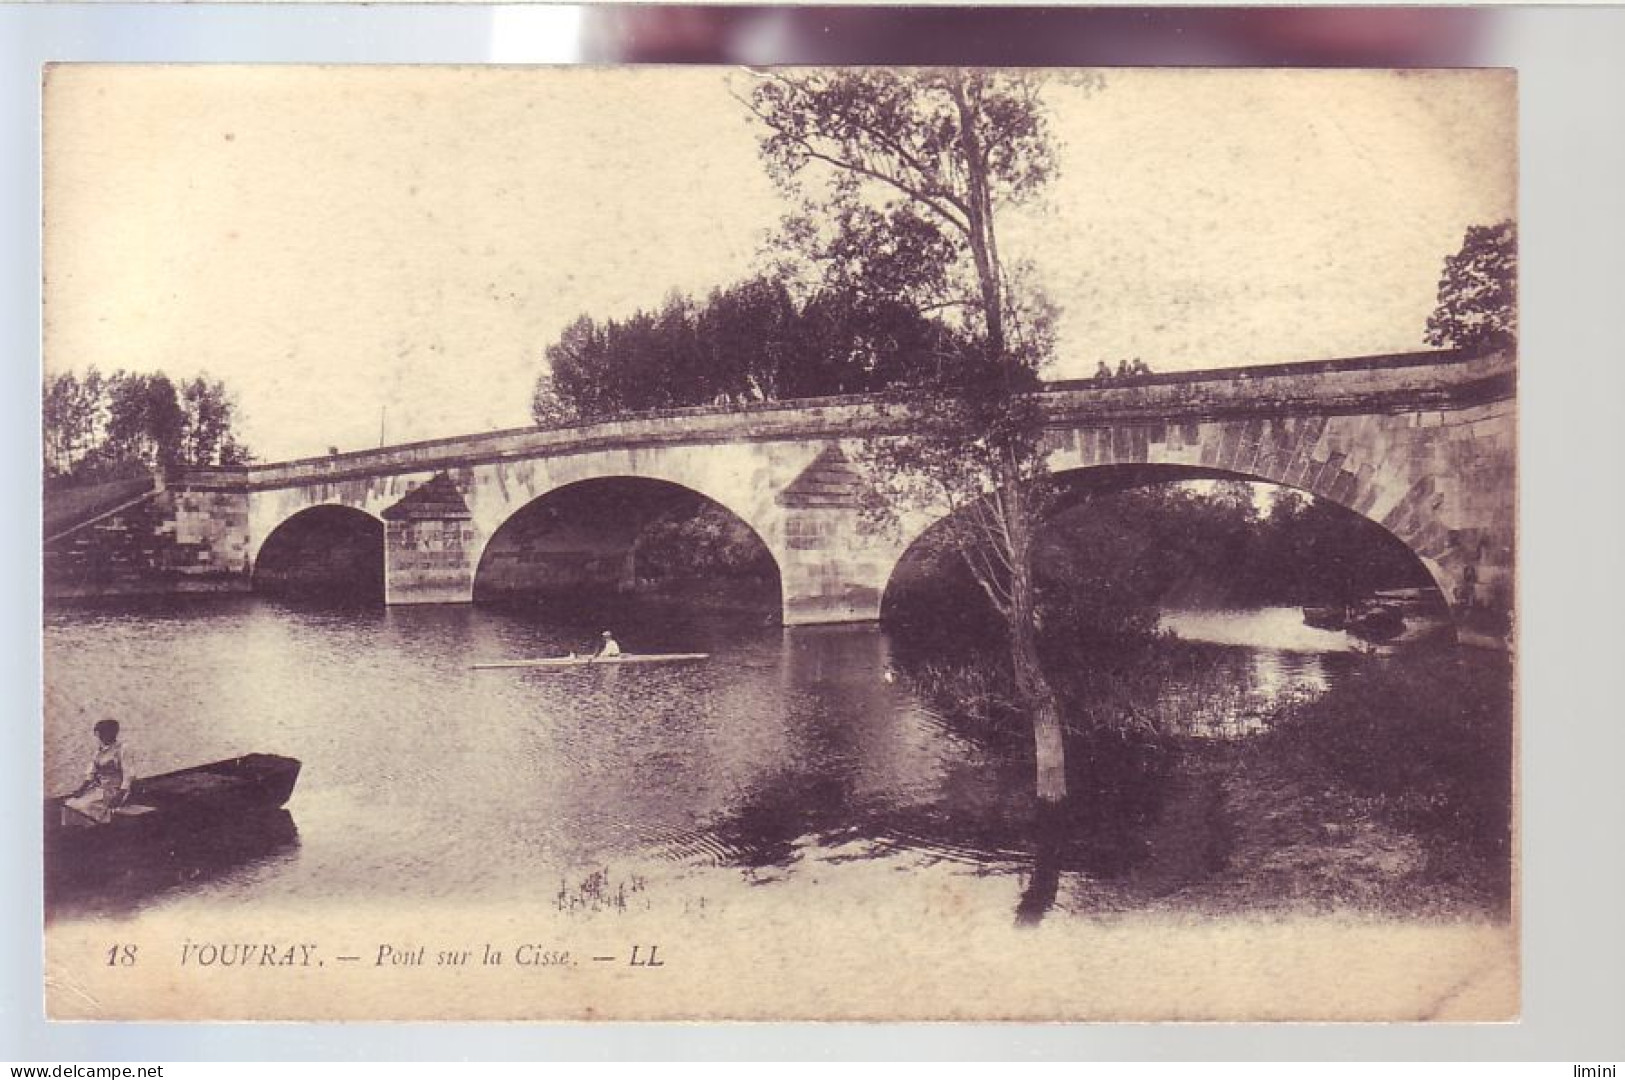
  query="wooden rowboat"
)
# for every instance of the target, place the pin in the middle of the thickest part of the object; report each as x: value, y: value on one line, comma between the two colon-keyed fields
x: 203, y: 796
x: 596, y: 661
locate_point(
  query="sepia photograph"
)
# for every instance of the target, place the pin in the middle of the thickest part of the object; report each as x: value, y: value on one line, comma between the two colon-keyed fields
x: 793, y: 543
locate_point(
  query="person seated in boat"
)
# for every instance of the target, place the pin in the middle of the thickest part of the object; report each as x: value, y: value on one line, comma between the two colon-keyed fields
x: 609, y: 647
x: 107, y: 781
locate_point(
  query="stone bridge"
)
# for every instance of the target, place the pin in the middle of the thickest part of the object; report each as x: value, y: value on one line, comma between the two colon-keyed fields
x: 1423, y: 444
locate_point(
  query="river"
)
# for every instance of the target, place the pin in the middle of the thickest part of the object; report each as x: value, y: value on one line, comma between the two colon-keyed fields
x: 785, y: 757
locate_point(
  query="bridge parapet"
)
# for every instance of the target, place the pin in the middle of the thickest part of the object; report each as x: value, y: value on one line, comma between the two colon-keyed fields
x: 1412, y: 381
x: 1389, y: 384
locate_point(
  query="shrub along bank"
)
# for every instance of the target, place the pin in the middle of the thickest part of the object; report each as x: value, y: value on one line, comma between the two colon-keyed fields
x: 1391, y: 792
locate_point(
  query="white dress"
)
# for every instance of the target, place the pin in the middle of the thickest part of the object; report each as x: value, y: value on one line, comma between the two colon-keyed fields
x: 110, y: 777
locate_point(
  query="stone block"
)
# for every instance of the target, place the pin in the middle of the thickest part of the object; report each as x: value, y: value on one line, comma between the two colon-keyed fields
x: 1210, y: 449
x: 1122, y: 443
x: 1321, y: 480
x: 1268, y: 466
x: 1343, y: 487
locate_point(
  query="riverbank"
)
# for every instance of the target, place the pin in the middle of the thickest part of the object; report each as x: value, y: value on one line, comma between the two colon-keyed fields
x: 1385, y: 792
x: 1250, y: 830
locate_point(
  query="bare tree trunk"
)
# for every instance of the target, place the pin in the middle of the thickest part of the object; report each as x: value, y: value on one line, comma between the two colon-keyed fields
x: 979, y: 218
x: 1032, y: 686
x: 1036, y: 693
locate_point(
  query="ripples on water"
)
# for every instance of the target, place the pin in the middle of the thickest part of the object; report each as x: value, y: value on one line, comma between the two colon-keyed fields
x: 428, y: 781
x: 427, y: 778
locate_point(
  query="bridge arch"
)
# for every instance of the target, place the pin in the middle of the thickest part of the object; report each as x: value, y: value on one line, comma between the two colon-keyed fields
x: 623, y: 534
x: 1079, y: 482
x: 328, y: 549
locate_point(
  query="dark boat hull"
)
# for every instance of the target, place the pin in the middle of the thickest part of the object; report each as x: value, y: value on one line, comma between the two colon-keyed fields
x: 1371, y: 621
x: 200, y: 798
x: 1325, y: 618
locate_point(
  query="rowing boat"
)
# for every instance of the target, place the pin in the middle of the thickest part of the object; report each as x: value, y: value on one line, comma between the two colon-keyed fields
x: 200, y: 797
x: 176, y: 830
x: 596, y: 661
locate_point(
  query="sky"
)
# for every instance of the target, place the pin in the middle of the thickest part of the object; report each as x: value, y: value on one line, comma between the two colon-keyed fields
x: 387, y: 252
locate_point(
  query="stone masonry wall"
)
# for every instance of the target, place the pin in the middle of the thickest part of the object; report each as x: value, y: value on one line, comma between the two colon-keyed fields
x: 173, y: 541
x: 428, y: 561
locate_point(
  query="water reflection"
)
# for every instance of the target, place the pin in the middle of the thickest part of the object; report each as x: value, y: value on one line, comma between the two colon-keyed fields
x: 85, y: 875
x: 431, y: 782
x: 1264, y: 661
x: 1280, y: 629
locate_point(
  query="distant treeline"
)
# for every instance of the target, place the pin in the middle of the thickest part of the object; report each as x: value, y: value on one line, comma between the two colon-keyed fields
x: 100, y: 427
x: 749, y: 342
x: 753, y: 341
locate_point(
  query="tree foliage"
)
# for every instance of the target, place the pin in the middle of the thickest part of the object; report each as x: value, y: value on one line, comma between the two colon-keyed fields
x: 902, y: 177
x: 749, y: 342
x: 1478, y: 292
x: 1108, y: 564
x: 97, y: 426
x: 1177, y: 544
x: 702, y: 542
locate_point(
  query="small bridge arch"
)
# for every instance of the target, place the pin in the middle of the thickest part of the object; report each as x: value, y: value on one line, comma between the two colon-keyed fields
x: 328, y: 550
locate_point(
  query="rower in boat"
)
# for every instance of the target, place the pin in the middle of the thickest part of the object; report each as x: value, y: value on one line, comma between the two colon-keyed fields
x: 609, y: 648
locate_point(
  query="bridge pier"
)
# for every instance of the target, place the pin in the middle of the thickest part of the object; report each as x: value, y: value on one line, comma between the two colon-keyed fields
x: 830, y: 569
x: 429, y: 546
x: 826, y: 590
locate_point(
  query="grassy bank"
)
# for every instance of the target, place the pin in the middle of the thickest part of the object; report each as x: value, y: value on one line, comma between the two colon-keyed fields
x: 1393, y: 790
x: 1388, y: 793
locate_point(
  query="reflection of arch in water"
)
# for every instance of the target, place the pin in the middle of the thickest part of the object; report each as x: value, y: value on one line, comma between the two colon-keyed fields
x: 622, y: 534
x: 1077, y: 485
x: 117, y: 878
x: 328, y: 551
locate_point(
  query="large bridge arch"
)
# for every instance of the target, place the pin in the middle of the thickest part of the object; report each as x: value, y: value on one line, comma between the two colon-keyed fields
x: 1077, y: 485
x: 1466, y: 547
x: 780, y: 488
x: 1364, y: 465
x: 588, y: 533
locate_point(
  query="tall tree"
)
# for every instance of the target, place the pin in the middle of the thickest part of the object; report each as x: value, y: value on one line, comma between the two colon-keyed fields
x: 145, y: 422
x: 903, y: 176
x: 73, y: 412
x: 207, y: 434
x: 1478, y: 292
